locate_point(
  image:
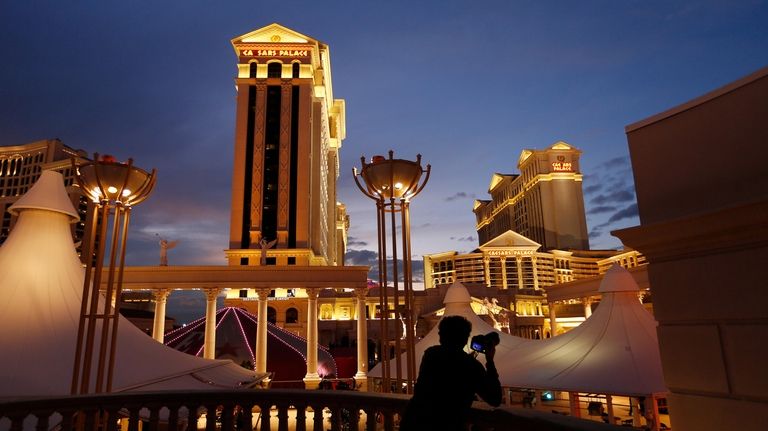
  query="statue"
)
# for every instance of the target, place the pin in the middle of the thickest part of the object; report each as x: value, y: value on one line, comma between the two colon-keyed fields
x: 165, y: 245
x: 264, y: 247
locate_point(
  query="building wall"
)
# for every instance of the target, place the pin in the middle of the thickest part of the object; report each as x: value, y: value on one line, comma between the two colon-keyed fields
x: 288, y: 132
x: 703, y: 199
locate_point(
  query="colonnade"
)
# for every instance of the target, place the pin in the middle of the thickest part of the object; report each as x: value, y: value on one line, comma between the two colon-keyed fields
x: 505, y: 284
x: 311, y: 379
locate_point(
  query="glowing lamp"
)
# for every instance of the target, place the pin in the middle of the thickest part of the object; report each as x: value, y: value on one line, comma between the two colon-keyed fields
x: 392, y: 178
x: 106, y: 180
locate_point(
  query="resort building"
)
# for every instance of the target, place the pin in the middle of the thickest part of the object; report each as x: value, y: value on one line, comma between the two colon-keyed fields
x: 21, y: 166
x: 544, y: 202
x: 288, y: 133
x: 516, y: 272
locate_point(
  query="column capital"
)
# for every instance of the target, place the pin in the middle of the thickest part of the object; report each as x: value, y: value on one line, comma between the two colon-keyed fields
x: 503, y: 259
x: 361, y: 293
x: 212, y: 292
x: 263, y: 293
x: 161, y: 295
x: 312, y: 293
x: 533, y: 258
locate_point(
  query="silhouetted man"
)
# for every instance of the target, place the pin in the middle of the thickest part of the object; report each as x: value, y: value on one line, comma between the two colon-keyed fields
x: 448, y: 380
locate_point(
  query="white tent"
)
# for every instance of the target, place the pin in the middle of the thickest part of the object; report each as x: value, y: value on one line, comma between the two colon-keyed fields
x: 615, y: 351
x: 457, y: 303
x: 41, y: 281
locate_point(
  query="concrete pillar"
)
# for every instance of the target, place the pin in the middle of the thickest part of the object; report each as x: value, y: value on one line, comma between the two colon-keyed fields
x: 261, y: 331
x: 609, y: 403
x: 552, y: 319
x: 209, y: 347
x: 519, y: 262
x: 503, y: 261
x: 312, y: 379
x: 161, y: 300
x: 573, y: 401
x: 587, y: 301
x: 535, y: 273
x: 487, y: 270
x: 361, y: 377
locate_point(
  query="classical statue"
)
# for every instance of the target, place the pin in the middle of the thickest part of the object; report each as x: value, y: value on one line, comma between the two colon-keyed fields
x: 264, y: 247
x: 165, y: 245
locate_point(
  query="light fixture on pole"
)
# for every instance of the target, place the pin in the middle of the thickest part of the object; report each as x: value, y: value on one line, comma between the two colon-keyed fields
x: 113, y: 187
x: 392, y: 183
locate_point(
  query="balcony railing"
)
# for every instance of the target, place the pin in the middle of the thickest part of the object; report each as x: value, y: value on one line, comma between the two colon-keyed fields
x: 265, y: 410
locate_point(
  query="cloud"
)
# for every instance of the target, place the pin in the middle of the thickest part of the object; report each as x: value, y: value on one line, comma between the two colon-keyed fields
x: 370, y: 258
x: 615, y: 196
x: 601, y: 209
x: 628, y: 212
x: 465, y: 238
x: 354, y: 242
x: 592, y: 188
x: 459, y: 195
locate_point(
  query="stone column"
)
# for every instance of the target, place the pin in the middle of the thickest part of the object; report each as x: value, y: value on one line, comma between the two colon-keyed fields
x: 261, y: 332
x: 209, y: 347
x: 503, y: 261
x: 587, y: 301
x: 161, y: 299
x: 609, y: 403
x: 361, y: 377
x: 552, y: 319
x: 487, y: 270
x: 573, y: 401
x: 312, y: 379
x: 535, y: 273
x: 519, y: 262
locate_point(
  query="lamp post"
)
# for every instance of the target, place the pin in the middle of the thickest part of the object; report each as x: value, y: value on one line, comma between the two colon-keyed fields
x: 392, y: 183
x: 113, y: 187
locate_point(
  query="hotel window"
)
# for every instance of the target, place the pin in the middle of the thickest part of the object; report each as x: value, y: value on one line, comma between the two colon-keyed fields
x: 274, y: 70
x: 252, y: 71
x: 291, y: 260
x: 291, y: 315
x: 295, y: 72
x: 271, y: 261
x: 243, y: 293
x: 271, y: 315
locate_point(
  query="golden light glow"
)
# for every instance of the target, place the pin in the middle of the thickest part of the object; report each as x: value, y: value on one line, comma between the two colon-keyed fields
x: 112, y: 189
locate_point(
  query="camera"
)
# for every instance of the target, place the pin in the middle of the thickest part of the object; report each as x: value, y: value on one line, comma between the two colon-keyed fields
x: 480, y: 343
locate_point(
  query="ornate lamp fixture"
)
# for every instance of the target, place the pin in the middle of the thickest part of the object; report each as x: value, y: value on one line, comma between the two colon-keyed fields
x: 392, y: 183
x: 113, y: 187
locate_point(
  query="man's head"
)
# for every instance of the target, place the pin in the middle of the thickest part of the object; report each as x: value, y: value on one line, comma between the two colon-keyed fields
x: 454, y: 331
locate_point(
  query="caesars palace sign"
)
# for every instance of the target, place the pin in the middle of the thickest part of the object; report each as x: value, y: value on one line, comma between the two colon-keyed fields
x: 276, y: 53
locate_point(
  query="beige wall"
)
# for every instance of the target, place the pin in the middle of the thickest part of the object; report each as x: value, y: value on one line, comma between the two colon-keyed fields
x: 703, y: 200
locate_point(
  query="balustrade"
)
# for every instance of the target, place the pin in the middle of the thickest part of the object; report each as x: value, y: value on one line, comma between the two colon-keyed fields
x: 288, y: 409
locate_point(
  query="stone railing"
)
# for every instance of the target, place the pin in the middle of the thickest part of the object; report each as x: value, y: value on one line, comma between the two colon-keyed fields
x: 265, y: 410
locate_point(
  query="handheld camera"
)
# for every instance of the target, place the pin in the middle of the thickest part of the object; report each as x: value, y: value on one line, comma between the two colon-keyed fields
x: 480, y: 343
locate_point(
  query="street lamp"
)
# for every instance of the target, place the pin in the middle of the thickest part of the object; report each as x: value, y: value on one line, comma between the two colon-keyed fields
x: 392, y: 183
x: 113, y: 187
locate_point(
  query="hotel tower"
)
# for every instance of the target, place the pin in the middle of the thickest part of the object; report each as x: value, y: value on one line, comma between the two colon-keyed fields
x: 288, y: 133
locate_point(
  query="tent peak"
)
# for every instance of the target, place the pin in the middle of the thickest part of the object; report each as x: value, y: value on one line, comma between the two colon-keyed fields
x: 457, y: 293
x: 618, y: 279
x: 47, y: 194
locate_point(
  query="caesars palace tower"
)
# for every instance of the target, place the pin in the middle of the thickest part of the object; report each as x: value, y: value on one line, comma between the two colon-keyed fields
x: 288, y: 133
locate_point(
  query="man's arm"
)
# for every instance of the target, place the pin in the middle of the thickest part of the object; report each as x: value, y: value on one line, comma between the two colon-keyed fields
x: 489, y: 387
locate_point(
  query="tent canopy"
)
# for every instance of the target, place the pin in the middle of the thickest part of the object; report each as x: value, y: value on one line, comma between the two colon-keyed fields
x: 615, y: 351
x: 41, y: 283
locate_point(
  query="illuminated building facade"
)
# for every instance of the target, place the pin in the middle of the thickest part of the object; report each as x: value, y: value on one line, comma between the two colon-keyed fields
x: 21, y: 165
x: 544, y: 202
x: 516, y: 271
x: 288, y: 133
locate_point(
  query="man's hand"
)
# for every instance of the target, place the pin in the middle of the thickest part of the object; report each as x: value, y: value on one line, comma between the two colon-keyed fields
x: 490, y: 352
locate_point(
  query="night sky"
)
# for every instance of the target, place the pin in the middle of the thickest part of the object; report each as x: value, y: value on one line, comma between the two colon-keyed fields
x: 466, y: 84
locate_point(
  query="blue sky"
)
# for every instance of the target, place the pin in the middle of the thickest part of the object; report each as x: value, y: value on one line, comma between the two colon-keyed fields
x: 466, y: 84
